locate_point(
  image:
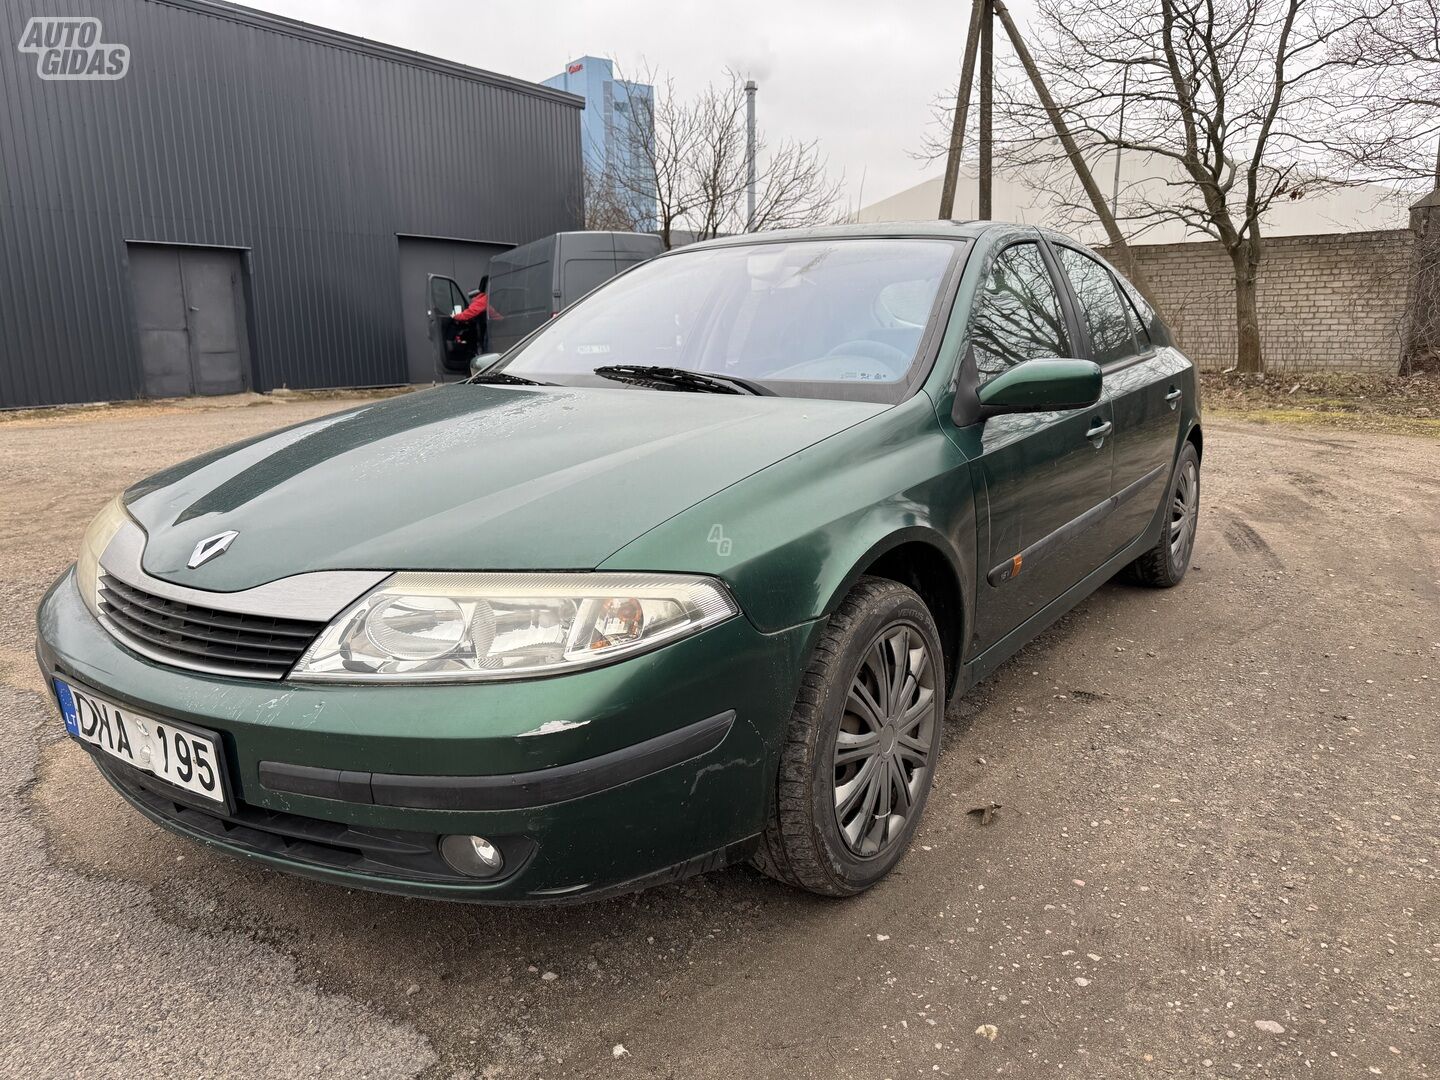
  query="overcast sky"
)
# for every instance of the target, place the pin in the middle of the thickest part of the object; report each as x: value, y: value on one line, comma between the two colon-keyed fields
x: 859, y: 77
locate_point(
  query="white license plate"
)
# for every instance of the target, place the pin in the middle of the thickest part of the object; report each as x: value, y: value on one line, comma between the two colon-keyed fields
x: 181, y: 756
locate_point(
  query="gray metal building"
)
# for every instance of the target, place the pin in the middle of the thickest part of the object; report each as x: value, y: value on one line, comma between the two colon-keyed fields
x: 252, y: 202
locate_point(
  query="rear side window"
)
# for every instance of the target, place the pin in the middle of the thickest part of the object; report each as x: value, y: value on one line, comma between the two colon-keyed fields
x: 1137, y: 324
x: 1147, y: 327
x: 1106, y: 314
x: 1017, y: 316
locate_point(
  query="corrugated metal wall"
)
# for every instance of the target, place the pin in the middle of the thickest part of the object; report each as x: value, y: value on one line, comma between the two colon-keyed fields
x: 308, y: 150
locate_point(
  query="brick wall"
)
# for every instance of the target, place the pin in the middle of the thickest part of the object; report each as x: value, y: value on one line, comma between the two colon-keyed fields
x: 1327, y: 302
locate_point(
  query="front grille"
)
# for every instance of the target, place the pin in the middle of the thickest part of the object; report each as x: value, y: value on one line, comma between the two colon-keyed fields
x: 202, y: 638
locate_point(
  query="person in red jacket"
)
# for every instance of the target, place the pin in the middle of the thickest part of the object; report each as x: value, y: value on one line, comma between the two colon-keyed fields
x: 480, y: 309
x: 479, y: 305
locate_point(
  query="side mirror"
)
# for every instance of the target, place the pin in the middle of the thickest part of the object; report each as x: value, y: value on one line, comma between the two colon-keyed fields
x: 481, y: 361
x: 1042, y: 386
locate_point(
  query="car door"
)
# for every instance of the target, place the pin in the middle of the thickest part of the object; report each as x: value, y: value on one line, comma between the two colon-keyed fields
x: 1143, y: 386
x: 1041, y: 473
x: 455, y: 343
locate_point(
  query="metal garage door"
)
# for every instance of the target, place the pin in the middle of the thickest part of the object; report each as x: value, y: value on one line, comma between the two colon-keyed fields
x: 190, y: 309
x: 421, y: 256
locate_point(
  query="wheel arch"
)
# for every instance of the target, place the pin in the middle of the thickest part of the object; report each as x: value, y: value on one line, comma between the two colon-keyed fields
x: 920, y: 560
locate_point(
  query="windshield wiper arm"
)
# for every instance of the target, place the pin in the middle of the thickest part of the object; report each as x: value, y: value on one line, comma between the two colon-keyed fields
x: 703, y: 381
x: 505, y: 377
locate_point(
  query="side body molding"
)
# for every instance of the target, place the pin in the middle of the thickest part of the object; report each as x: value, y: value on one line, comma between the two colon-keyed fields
x: 1052, y: 542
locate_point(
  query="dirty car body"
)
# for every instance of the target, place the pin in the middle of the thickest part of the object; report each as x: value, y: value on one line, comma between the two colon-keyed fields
x: 582, y: 624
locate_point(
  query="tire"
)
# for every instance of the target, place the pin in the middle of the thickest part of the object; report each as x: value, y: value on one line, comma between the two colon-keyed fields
x: 1164, y: 565
x: 804, y: 843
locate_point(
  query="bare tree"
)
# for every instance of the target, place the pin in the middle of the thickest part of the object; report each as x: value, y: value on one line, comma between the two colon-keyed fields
x: 1393, y: 137
x: 794, y: 188
x: 646, y: 184
x: 1393, y: 133
x: 1234, y: 101
x: 718, y: 169
x: 685, y: 169
x: 607, y: 204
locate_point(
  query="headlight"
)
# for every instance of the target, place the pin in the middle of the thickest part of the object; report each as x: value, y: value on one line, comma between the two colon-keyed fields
x: 97, y: 537
x: 459, y: 627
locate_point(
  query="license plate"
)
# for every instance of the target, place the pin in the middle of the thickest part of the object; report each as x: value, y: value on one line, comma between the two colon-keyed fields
x: 185, y: 757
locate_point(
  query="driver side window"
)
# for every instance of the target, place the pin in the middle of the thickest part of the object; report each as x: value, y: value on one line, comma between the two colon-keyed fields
x: 1017, y: 316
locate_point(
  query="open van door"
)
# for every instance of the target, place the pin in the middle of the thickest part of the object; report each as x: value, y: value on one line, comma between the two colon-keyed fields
x: 455, y: 343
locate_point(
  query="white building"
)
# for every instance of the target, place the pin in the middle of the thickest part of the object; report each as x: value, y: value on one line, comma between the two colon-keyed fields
x: 1029, y: 197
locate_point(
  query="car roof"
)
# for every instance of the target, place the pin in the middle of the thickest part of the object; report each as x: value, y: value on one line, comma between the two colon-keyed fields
x: 877, y: 230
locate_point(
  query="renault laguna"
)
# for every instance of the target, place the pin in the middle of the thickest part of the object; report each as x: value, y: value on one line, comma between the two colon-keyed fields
x: 685, y: 578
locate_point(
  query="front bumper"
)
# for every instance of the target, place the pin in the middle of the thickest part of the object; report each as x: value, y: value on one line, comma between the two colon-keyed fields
x: 592, y: 782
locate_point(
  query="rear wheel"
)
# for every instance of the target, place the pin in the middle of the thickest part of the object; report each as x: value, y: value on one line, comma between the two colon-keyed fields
x: 1165, y: 564
x: 860, y: 753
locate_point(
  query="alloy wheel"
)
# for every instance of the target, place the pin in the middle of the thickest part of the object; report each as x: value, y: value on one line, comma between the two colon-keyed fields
x: 884, y: 748
x: 1184, y: 512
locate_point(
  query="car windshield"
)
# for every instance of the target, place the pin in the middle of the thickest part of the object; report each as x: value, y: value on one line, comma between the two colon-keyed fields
x: 814, y: 318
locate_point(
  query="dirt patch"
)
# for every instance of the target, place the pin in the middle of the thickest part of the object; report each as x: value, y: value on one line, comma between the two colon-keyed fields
x: 1388, y: 403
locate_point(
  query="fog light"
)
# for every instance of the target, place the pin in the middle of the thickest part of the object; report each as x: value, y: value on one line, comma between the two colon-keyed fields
x: 473, y: 856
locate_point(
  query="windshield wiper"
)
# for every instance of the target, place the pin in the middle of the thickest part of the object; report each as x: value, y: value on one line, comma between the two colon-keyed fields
x: 505, y: 377
x: 701, y: 381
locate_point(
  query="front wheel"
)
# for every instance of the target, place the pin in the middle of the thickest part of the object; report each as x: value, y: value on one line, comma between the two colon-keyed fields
x: 1165, y: 564
x: 860, y: 753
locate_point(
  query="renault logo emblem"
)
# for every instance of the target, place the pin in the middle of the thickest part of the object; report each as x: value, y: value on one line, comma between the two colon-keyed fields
x: 211, y: 546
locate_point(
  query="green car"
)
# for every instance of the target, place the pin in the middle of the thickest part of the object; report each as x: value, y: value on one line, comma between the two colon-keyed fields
x: 685, y: 578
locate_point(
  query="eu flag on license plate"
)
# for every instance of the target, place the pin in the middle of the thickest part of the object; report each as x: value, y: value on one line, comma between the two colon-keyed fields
x: 67, y: 708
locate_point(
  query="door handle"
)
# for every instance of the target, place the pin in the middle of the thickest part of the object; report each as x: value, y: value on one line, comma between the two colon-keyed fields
x: 1174, y: 396
x: 1100, y: 430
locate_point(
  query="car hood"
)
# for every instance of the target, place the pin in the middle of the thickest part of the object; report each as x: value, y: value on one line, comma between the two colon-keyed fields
x: 467, y: 477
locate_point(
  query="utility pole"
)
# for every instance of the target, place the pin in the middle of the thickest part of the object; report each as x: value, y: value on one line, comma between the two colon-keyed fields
x: 1123, y: 254
x: 987, y: 94
x: 962, y: 110
x: 750, y: 155
x: 1120, y: 139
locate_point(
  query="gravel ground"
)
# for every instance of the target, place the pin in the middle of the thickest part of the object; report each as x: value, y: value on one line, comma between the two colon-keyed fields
x: 1216, y: 851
